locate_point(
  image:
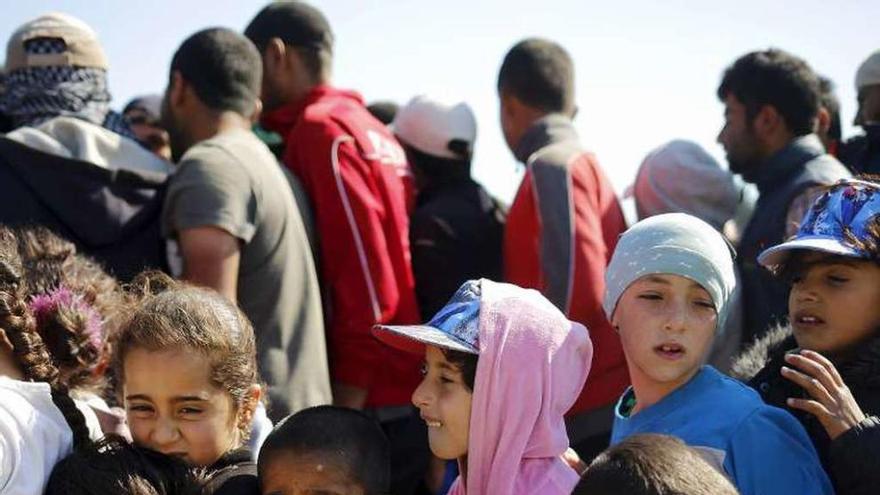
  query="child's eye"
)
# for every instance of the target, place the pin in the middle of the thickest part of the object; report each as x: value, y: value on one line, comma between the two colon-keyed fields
x: 424, y: 369
x: 651, y: 296
x: 705, y: 304
x: 190, y: 411
x: 835, y: 279
x: 140, y: 408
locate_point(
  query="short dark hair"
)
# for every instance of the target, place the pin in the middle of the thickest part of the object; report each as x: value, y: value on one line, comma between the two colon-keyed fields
x: 384, y: 111
x: 466, y: 364
x: 436, y: 167
x: 776, y: 78
x: 223, y: 67
x: 344, y: 435
x: 114, y: 466
x: 829, y: 101
x: 298, y: 25
x: 540, y: 73
x: 651, y: 464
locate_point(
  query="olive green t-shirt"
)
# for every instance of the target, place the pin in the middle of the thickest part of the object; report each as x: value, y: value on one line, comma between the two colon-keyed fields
x: 233, y: 182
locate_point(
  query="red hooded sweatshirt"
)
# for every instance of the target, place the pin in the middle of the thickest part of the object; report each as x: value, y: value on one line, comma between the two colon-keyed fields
x: 358, y: 180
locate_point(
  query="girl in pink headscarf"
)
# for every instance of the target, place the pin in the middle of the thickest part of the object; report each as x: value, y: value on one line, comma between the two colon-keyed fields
x: 502, y: 366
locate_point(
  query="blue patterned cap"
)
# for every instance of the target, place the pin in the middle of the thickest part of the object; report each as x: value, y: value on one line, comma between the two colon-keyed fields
x: 455, y: 327
x: 844, y: 212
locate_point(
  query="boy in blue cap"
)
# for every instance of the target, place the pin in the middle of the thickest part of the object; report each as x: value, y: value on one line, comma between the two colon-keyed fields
x: 823, y: 367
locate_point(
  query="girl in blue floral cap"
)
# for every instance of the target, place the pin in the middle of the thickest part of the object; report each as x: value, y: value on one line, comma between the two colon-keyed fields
x: 824, y: 367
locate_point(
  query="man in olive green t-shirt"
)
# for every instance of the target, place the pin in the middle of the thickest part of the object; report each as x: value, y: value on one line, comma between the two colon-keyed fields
x: 232, y: 212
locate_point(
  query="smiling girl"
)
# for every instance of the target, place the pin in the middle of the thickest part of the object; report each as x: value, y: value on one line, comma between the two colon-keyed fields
x: 186, y: 362
x: 502, y: 366
x: 823, y: 367
x: 667, y: 290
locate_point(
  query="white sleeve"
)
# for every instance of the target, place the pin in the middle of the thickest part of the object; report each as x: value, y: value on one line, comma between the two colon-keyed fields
x: 10, y: 448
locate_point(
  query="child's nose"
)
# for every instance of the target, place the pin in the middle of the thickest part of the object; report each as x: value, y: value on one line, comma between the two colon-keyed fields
x: 803, y: 292
x: 165, y: 433
x: 421, y: 395
x: 676, y: 318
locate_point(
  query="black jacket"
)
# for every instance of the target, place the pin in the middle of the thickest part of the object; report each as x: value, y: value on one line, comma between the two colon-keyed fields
x: 456, y: 233
x: 111, y: 215
x: 861, y: 154
x: 853, y: 459
x: 233, y: 474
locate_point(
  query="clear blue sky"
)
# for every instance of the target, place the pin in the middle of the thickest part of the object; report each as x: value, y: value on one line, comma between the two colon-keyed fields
x: 647, y: 70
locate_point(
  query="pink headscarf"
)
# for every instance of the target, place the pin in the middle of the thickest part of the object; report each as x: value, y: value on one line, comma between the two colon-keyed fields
x: 533, y: 363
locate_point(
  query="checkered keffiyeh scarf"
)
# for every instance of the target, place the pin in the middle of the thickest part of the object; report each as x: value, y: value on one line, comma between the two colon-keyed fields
x: 34, y: 95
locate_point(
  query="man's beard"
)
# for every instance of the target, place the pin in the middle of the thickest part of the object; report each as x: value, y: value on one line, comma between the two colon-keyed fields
x: 176, y: 140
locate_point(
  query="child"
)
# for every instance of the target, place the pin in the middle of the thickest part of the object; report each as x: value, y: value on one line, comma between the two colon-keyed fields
x: 651, y: 464
x: 74, y: 302
x: 187, y: 367
x: 502, y: 366
x: 39, y: 422
x: 667, y: 290
x: 826, y: 372
x: 115, y: 467
x: 326, y: 449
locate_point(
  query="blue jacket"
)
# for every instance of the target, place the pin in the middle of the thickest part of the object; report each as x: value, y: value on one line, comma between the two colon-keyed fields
x: 762, y: 449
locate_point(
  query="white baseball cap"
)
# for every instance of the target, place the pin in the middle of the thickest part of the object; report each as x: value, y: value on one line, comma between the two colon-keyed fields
x: 430, y: 126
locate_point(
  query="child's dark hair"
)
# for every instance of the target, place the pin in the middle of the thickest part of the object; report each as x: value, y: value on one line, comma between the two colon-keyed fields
x: 348, y: 437
x: 115, y: 467
x: 29, y: 351
x: 181, y: 316
x: 74, y: 300
x: 651, y: 464
x: 466, y: 363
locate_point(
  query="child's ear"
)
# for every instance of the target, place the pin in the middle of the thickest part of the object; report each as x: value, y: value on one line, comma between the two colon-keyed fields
x: 246, y: 413
x: 5, y: 343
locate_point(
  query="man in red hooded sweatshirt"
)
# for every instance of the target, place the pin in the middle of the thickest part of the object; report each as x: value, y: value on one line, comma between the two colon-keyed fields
x: 564, y: 222
x: 358, y: 180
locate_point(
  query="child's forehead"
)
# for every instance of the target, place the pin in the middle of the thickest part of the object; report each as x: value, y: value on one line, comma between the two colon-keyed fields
x: 672, y: 280
x: 806, y: 259
x: 311, y: 470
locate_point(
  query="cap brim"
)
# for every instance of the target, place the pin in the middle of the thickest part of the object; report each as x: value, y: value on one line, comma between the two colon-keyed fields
x: 413, y: 338
x: 777, y: 255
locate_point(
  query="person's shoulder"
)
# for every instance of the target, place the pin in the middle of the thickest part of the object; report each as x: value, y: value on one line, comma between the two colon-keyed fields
x: 237, y: 476
x: 725, y: 397
x: 15, y: 393
x: 560, y: 154
x: 239, y: 149
x: 751, y: 361
x: 825, y: 170
x: 329, y: 111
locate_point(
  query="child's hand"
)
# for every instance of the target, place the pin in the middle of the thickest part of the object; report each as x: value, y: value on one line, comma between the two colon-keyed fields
x: 574, y: 461
x: 833, y: 403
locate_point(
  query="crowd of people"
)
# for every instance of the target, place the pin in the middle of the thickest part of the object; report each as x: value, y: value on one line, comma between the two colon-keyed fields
x: 254, y: 283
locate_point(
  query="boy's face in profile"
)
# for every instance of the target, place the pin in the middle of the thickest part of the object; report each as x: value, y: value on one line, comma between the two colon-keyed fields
x: 666, y: 324
x: 290, y: 473
x: 834, y: 303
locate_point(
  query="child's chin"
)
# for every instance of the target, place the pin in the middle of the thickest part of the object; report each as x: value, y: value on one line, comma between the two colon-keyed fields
x: 444, y: 451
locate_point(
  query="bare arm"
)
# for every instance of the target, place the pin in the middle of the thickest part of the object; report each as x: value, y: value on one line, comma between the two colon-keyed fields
x: 210, y: 259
